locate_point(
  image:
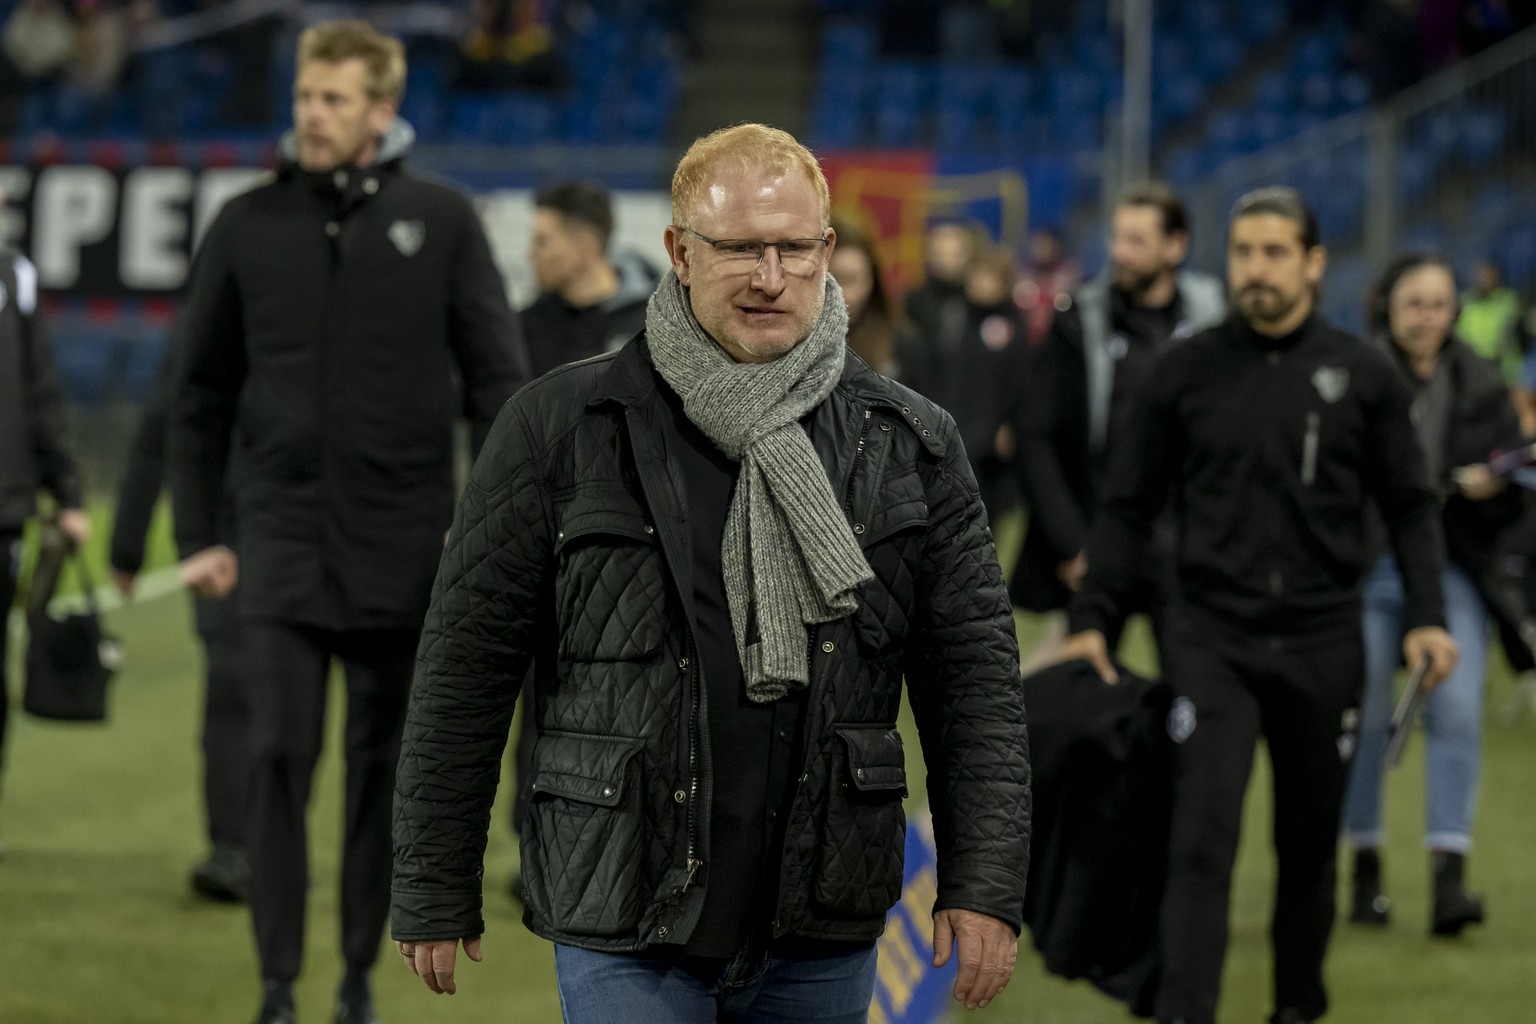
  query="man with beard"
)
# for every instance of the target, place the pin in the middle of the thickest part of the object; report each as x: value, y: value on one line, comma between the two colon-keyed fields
x: 1269, y: 435
x: 1074, y: 409
x: 327, y: 313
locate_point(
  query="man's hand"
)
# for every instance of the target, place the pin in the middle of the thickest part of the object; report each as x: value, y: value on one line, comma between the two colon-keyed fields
x: 1004, y: 445
x: 987, y: 949
x: 1090, y: 646
x: 212, y: 572
x: 1477, y: 483
x: 123, y: 581
x: 433, y: 961
x: 74, y: 524
x: 1072, y: 571
x: 1442, y: 651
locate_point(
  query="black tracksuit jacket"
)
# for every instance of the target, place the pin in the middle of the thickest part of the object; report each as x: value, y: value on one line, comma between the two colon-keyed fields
x: 326, y: 317
x: 1270, y: 451
x: 32, y: 452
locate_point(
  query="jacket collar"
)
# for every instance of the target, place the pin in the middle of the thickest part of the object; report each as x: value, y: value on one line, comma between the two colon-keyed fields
x: 630, y: 380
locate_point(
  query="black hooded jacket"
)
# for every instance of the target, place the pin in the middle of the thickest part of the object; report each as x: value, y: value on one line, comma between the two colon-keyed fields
x: 326, y: 319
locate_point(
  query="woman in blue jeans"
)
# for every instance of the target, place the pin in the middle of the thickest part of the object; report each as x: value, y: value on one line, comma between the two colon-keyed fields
x: 1464, y: 414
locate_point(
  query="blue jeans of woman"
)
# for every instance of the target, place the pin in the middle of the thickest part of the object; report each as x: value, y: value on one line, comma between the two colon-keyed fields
x: 1453, y: 714
x: 831, y: 986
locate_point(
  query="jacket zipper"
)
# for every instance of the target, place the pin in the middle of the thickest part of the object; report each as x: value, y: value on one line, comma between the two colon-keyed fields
x: 1309, y: 451
x: 858, y: 457
x: 693, y: 861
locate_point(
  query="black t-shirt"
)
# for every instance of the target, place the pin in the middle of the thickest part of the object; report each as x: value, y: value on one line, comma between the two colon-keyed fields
x: 753, y: 747
x: 1138, y: 334
x: 556, y: 332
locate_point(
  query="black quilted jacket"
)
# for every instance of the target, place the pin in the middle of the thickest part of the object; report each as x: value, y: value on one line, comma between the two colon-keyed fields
x: 570, y: 548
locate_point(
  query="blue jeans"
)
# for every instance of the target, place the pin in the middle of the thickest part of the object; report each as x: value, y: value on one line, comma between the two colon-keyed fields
x: 634, y: 988
x: 1453, y: 715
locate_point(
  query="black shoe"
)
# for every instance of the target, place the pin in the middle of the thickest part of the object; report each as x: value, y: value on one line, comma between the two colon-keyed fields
x: 225, y: 876
x: 276, y: 1004
x: 1454, y: 908
x: 1369, y: 905
x: 358, y: 1011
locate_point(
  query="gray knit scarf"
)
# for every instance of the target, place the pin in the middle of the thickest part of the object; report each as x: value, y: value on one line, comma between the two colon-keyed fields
x: 788, y: 554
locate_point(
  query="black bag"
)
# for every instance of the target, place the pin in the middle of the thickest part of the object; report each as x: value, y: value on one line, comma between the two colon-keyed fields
x: 69, y: 658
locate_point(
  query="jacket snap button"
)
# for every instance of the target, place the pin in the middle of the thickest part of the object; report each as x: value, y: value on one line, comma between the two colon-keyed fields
x: 607, y: 791
x: 340, y: 178
x: 859, y: 774
x: 886, y: 427
x: 680, y: 797
x: 858, y: 528
x: 560, y: 535
x: 828, y: 647
x: 682, y: 662
x: 804, y: 778
x: 906, y: 411
x: 370, y: 186
x: 925, y: 432
x: 332, y: 228
x: 649, y: 528
x: 663, y: 932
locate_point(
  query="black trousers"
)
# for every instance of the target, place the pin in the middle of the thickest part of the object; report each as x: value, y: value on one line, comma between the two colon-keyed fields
x: 226, y: 740
x: 1303, y: 698
x: 10, y: 557
x: 289, y: 665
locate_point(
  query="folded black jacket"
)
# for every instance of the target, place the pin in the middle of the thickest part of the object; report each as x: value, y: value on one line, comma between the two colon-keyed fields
x: 1103, y: 801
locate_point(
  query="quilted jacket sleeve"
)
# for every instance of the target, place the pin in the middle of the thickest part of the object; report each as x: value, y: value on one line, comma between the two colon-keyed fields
x: 475, y: 647
x: 963, y: 680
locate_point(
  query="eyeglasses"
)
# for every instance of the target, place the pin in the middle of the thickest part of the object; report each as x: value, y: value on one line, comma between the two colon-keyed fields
x: 796, y: 255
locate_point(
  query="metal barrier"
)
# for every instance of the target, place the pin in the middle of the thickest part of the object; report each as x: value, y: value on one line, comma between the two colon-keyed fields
x: 1446, y: 164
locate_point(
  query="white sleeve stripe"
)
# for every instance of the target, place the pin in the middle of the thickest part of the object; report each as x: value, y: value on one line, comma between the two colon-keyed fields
x: 26, y: 286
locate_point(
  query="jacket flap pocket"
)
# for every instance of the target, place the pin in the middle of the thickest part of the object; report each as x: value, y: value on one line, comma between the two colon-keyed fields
x: 900, y: 505
x: 876, y: 761
x: 582, y: 767
x: 608, y: 511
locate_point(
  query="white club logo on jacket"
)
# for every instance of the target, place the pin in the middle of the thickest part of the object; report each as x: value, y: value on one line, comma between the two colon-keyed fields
x: 408, y: 236
x: 1332, y: 382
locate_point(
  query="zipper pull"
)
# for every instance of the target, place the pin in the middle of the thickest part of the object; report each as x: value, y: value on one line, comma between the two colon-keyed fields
x: 693, y: 868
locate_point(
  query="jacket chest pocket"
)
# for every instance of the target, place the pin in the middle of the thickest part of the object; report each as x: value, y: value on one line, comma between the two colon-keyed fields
x: 610, y: 581
x: 892, y: 539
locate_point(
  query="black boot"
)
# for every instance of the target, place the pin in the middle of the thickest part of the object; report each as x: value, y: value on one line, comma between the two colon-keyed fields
x: 354, y: 1003
x: 276, y: 1003
x: 1370, y: 904
x: 1455, y: 908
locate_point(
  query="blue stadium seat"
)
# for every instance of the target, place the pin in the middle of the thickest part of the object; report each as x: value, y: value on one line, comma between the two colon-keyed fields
x: 1218, y: 57
x: 849, y: 43
x: 1482, y: 136
x: 1262, y: 20
x: 1273, y: 91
